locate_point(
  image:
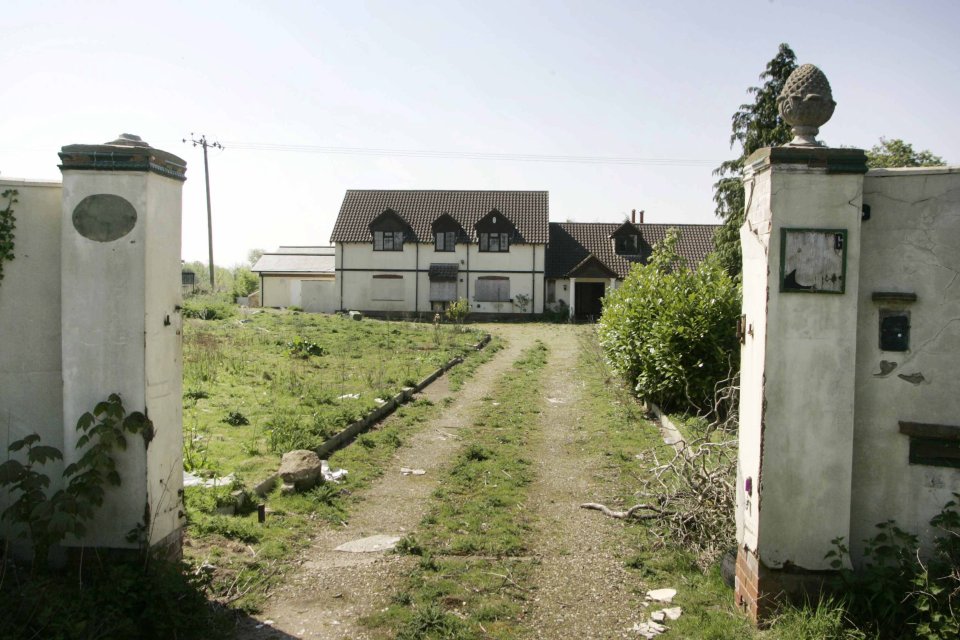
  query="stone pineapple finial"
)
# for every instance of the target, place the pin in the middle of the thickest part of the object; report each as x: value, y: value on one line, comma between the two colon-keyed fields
x: 806, y: 103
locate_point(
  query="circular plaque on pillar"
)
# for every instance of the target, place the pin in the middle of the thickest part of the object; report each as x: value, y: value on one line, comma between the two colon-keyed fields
x: 104, y: 217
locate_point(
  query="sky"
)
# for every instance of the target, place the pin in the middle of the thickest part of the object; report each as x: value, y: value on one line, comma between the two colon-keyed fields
x: 312, y: 98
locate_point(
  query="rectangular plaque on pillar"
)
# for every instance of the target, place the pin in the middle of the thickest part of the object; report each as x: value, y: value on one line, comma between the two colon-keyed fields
x: 813, y: 260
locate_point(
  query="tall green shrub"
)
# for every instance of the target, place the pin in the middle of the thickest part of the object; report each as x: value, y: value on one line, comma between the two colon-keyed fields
x: 670, y: 330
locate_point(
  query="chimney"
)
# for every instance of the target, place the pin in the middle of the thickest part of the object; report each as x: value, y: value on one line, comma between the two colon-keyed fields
x: 633, y: 216
x: 641, y: 217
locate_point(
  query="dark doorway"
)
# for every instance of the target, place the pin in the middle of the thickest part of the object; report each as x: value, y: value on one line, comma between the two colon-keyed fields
x: 588, y: 296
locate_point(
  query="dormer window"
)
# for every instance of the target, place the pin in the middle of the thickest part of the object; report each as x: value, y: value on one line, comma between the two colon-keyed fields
x: 495, y: 232
x: 495, y: 242
x: 444, y: 240
x: 389, y: 230
x: 627, y: 244
x: 388, y: 240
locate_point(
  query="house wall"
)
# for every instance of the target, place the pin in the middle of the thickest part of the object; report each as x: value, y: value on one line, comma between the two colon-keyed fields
x: 288, y: 291
x: 318, y: 296
x: 31, y: 389
x: 358, y: 262
x: 910, y: 245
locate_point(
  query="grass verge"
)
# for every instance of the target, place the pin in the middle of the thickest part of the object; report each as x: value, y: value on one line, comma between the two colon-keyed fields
x: 618, y: 431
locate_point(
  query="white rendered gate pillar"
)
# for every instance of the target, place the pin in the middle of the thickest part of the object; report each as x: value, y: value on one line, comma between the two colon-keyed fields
x: 121, y: 325
x: 801, y: 251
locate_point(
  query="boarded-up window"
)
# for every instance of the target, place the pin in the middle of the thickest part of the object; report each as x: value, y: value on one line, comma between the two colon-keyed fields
x: 443, y: 291
x: 387, y: 287
x: 493, y: 289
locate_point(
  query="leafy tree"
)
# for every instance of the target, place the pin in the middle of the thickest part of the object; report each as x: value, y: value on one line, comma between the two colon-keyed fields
x: 254, y: 255
x: 245, y: 281
x: 897, y: 153
x: 669, y: 330
x: 224, y: 277
x: 755, y: 125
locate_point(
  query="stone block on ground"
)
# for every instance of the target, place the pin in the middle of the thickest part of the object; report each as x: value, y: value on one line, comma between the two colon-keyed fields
x: 301, y: 468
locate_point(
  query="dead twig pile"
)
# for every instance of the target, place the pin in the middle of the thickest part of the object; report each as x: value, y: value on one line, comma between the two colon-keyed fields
x: 691, y: 496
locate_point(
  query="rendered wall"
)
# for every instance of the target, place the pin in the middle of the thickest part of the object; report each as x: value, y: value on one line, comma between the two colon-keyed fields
x: 30, y: 379
x: 319, y: 296
x: 291, y: 291
x: 805, y: 432
x: 910, y: 244
x: 358, y: 262
x: 163, y: 350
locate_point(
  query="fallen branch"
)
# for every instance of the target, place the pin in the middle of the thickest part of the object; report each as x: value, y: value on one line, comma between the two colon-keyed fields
x: 629, y: 513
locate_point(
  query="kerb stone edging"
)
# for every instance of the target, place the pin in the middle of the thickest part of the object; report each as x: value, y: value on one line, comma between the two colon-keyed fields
x: 354, y: 429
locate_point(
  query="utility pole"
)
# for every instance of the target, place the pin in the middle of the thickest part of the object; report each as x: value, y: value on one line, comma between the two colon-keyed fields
x: 202, y: 142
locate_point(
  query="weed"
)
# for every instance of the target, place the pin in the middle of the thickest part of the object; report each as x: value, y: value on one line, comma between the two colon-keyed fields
x: 408, y: 545
x: 236, y: 419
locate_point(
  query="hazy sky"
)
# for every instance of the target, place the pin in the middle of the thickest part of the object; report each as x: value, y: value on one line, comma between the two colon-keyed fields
x: 656, y: 81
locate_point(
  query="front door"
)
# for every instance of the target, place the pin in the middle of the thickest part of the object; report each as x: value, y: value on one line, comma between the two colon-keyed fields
x: 588, y: 298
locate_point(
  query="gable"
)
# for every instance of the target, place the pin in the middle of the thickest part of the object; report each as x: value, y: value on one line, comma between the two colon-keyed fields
x: 591, y: 267
x: 389, y: 220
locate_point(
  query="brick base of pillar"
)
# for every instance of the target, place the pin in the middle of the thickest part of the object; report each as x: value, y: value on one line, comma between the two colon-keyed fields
x: 760, y: 591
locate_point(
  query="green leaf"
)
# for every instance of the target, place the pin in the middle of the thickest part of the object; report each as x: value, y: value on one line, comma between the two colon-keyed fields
x: 24, y: 442
x: 11, y: 471
x: 43, y: 453
x: 85, y: 421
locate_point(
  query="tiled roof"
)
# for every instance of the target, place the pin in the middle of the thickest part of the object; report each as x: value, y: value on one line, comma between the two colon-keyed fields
x: 294, y: 263
x: 529, y: 211
x: 572, y: 242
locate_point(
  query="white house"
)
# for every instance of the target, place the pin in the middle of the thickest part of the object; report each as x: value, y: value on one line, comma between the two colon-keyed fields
x: 417, y: 251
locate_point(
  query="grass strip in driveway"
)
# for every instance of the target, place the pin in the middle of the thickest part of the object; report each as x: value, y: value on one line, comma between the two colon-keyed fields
x: 472, y: 578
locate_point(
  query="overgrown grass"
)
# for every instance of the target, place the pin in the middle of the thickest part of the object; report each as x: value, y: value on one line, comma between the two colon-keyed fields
x: 284, y: 373
x: 469, y: 581
x: 617, y: 430
x: 266, y: 382
x: 250, y: 557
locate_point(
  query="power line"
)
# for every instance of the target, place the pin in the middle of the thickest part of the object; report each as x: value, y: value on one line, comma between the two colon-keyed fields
x: 471, y: 155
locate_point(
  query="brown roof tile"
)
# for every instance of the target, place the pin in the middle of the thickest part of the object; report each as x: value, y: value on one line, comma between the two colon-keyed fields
x: 529, y: 211
x: 572, y: 242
